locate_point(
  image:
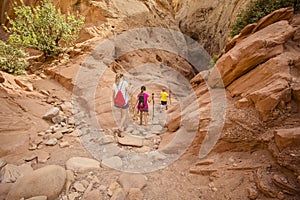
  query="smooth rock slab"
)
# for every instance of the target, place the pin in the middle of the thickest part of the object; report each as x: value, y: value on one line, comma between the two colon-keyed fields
x: 81, y: 164
x: 128, y: 140
x: 37, y: 183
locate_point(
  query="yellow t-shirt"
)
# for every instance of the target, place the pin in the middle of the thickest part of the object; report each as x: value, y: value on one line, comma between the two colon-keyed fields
x: 164, y: 96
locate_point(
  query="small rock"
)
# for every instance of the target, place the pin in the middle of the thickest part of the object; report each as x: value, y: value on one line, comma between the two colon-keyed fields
x: 119, y: 194
x: 135, y: 194
x: 64, y: 144
x: 252, y: 193
x: 73, y: 195
x: 42, y: 156
x: 80, y: 164
x: 51, y: 113
x: 242, y: 103
x: 231, y: 160
x: 106, y: 140
x: 205, y: 162
x: 128, y: 140
x: 133, y: 181
x: 102, y: 188
x: 41, y: 133
x: 64, y: 130
x: 112, y: 188
x: 280, y: 195
x: 45, y: 92
x: 38, y: 198
x: 26, y: 86
x: 66, y: 107
x: 214, y: 189
x: 51, y: 142
x: 30, y: 158
x: 57, y: 136
x: 114, y: 162
x: 234, y: 165
x: 79, y: 187
x: 94, y: 195
x: 58, y: 119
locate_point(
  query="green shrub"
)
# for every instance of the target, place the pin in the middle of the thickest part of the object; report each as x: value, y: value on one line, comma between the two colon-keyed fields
x: 254, y: 11
x: 213, y: 61
x: 44, y: 27
x: 12, y: 59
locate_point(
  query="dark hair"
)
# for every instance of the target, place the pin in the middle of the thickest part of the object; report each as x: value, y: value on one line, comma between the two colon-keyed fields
x: 143, y: 88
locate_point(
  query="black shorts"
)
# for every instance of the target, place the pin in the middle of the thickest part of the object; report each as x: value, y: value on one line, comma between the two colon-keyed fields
x: 163, y: 103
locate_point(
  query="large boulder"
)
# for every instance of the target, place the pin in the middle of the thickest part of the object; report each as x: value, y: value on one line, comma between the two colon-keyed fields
x: 47, y: 181
x: 80, y: 164
x: 287, y: 138
x: 249, y: 53
x: 266, y: 85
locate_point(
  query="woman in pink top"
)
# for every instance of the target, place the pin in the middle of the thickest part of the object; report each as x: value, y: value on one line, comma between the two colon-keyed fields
x: 142, y: 105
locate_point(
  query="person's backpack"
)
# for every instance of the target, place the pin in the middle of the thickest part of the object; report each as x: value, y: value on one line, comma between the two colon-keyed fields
x: 141, y: 101
x: 119, y: 100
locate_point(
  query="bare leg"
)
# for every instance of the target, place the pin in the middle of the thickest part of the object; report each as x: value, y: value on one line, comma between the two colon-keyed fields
x: 141, y: 117
x: 124, y: 113
x: 146, y: 118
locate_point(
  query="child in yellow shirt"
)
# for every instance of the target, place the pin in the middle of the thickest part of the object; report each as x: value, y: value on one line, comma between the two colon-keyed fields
x: 163, y: 99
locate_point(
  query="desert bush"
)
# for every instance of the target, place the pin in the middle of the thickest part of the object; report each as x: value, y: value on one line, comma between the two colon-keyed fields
x: 254, y: 11
x: 44, y: 27
x: 12, y: 58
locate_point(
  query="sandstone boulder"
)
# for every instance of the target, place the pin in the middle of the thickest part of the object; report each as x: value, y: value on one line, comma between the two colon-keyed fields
x: 287, y: 138
x: 249, y: 53
x: 80, y: 164
x: 37, y: 182
x: 51, y: 113
x: 10, y: 173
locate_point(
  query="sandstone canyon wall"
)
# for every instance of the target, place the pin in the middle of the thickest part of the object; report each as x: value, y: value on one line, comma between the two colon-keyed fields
x: 205, y: 21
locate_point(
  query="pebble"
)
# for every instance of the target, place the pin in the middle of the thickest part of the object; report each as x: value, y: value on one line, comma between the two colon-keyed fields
x: 79, y: 187
x: 51, y: 142
x: 64, y: 144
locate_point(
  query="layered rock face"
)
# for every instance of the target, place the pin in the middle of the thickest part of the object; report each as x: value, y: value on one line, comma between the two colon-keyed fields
x: 205, y: 21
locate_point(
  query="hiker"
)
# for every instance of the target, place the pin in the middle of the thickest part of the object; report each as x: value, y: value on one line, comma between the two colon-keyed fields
x: 163, y: 99
x: 142, y: 105
x: 121, y: 98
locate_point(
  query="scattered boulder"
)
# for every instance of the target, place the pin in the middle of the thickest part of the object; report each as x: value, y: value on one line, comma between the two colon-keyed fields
x: 132, y: 181
x: 80, y: 164
x: 51, y: 113
x: 249, y: 53
x: 129, y: 140
x: 37, y: 182
x: 287, y: 138
x: 79, y: 187
x: 94, y: 194
x: 51, y: 142
x: 64, y: 144
x: 10, y: 173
